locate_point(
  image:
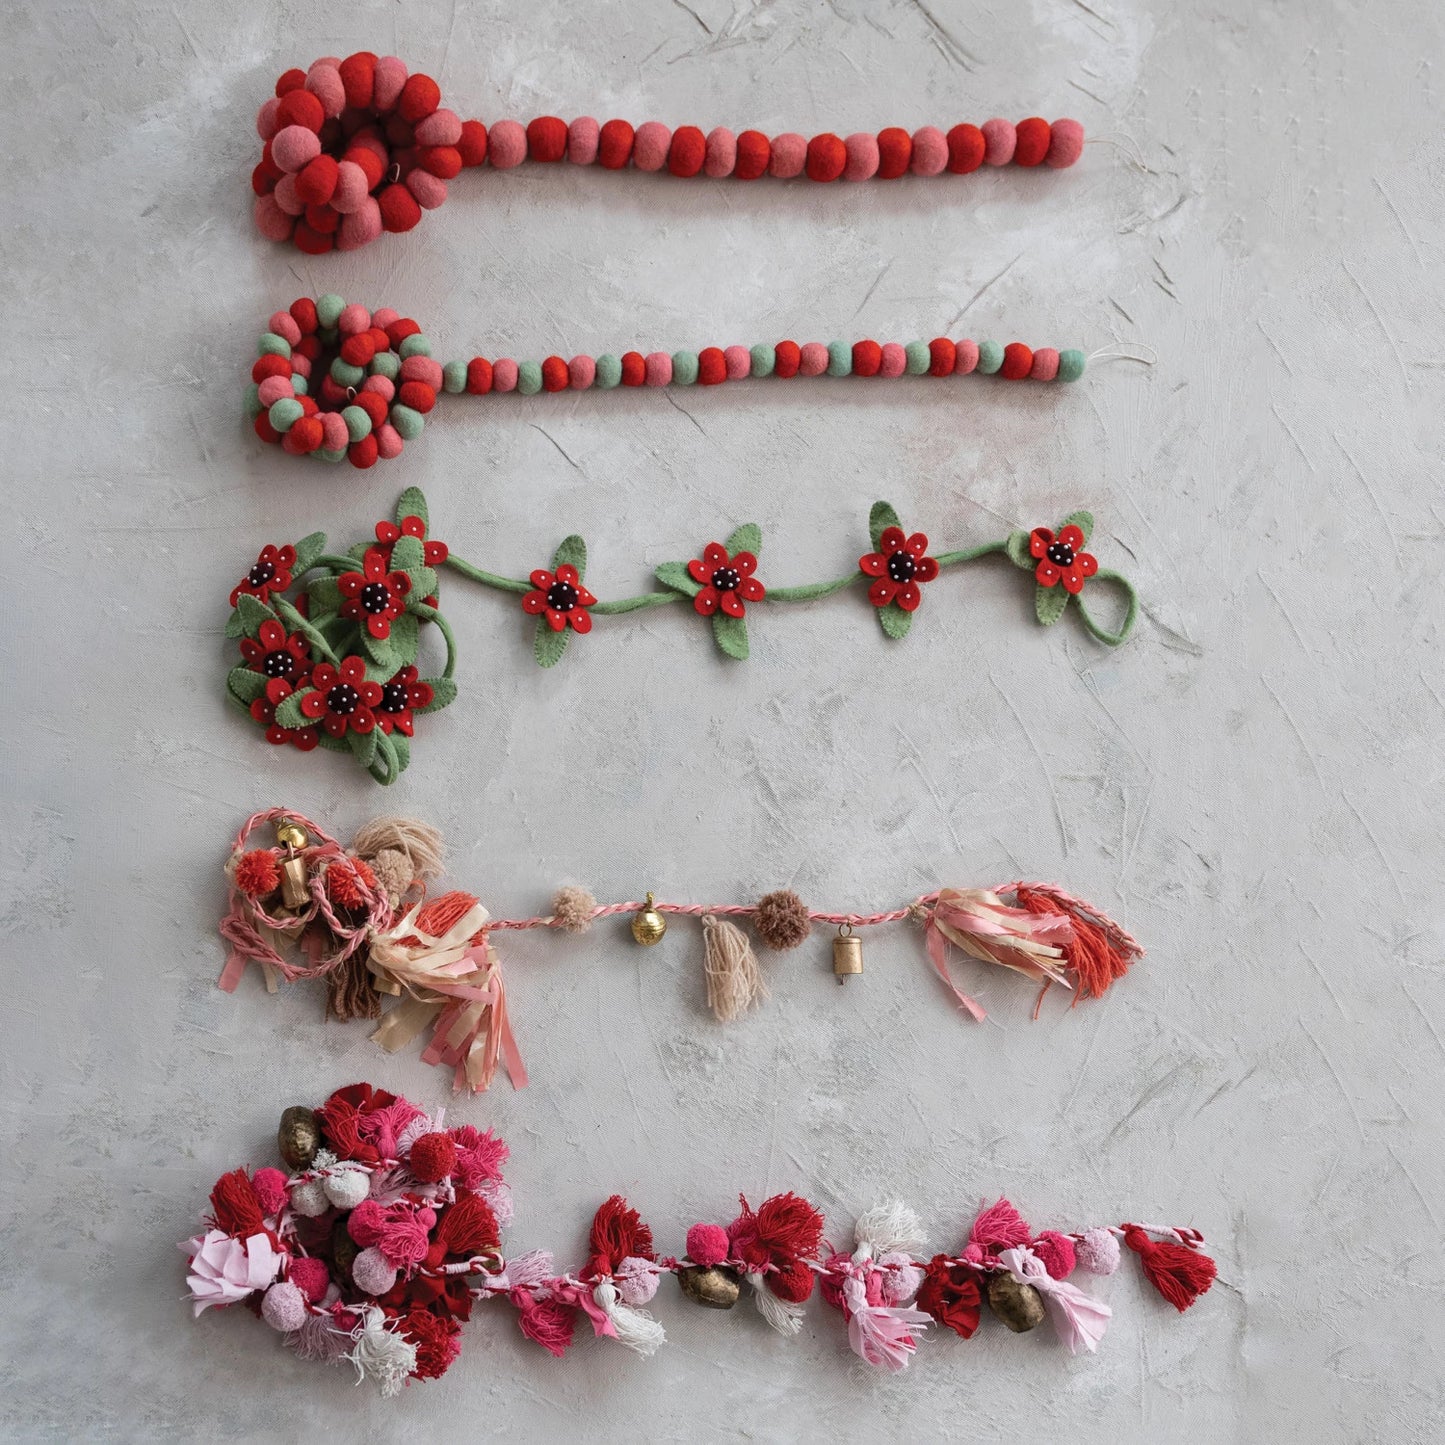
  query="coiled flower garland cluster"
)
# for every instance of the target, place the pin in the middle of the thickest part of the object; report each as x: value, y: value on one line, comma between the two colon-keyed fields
x: 384, y: 1231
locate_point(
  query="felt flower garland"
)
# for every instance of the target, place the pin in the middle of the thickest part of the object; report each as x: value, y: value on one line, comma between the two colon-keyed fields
x: 383, y: 1232
x: 361, y: 919
x: 330, y: 643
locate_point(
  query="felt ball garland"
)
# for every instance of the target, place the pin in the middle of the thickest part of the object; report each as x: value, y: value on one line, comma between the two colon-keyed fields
x: 357, y: 147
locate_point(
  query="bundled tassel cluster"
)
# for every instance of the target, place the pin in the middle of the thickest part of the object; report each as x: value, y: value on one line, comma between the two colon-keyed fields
x: 375, y: 1242
x: 361, y: 920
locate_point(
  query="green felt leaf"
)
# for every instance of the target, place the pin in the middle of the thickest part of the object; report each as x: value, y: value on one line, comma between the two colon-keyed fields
x: 407, y: 555
x: 549, y: 646
x: 405, y: 633
x: 1017, y: 548
x: 381, y: 653
x: 401, y: 746
x: 880, y: 518
x: 1084, y: 521
x: 245, y: 685
x: 363, y: 746
x: 252, y: 614
x: 411, y: 503
x: 308, y: 549
x: 571, y: 551
x: 747, y: 538
x: 731, y: 633
x: 444, y: 691
x: 676, y: 576
x: 233, y: 623
x: 331, y: 744
x: 288, y: 710
x: 1049, y: 603
x: 423, y: 583
x: 324, y: 595
x: 894, y: 620
x: 359, y: 551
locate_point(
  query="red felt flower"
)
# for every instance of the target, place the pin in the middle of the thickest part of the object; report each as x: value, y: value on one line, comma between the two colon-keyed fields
x: 343, y: 699
x: 263, y: 709
x: 270, y: 573
x: 1061, y: 558
x: 388, y: 534
x: 399, y: 695
x: 950, y: 1294
x: 560, y: 598
x: 374, y: 595
x: 900, y: 566
x: 727, y: 582
x: 275, y: 655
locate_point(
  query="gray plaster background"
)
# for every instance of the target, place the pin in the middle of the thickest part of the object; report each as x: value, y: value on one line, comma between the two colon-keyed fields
x: 1253, y: 784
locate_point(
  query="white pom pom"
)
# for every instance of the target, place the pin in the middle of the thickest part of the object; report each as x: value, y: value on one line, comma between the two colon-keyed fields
x: 309, y: 1199
x: 284, y: 1307
x: 372, y: 1272
x: 346, y: 1188
x: 1098, y: 1252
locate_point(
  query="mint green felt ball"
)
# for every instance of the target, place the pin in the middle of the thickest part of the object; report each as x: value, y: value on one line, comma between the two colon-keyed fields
x: 990, y: 357
x: 840, y: 358
x: 253, y: 402
x: 273, y: 345
x: 609, y: 371
x: 343, y: 373
x: 329, y: 456
x: 299, y: 383
x: 408, y: 422
x: 416, y: 345
x: 765, y: 358
x: 529, y: 377
x: 454, y: 377
x: 358, y: 424
x: 329, y: 309
x: 285, y: 413
x: 684, y: 368
x: 919, y: 358
x: 387, y: 364
x: 1071, y: 365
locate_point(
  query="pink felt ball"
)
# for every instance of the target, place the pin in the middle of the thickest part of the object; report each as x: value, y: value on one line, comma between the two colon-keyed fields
x: 273, y: 389
x: 1066, y: 144
x: 507, y: 144
x: 965, y: 357
x: 334, y: 435
x: 383, y: 386
x: 999, y: 140
x: 283, y: 324
x: 284, y: 1307
x: 386, y: 87
x: 300, y: 366
x: 372, y: 1272
x: 504, y: 374
x: 707, y: 1244
x: 430, y: 191
x: 659, y: 369
x: 424, y: 369
x: 930, y: 151
x: 893, y: 359
x: 310, y: 1276
x: 294, y: 147
x: 266, y: 123
x: 721, y: 156
x: 361, y: 227
x: 354, y: 319
x: 650, y: 146
x: 581, y: 372
x: 388, y: 441
x: 1046, y: 364
x: 287, y: 196
x: 862, y: 162
x: 739, y: 362
x: 440, y: 128
x: 583, y: 138
x: 323, y: 80
x: 812, y: 359
x: 790, y: 155
x: 350, y: 189
x: 385, y: 316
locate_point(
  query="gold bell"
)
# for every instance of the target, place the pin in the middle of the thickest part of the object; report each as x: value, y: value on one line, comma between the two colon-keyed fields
x: 292, y: 837
x: 648, y: 925
x: 715, y: 1287
x: 847, y: 953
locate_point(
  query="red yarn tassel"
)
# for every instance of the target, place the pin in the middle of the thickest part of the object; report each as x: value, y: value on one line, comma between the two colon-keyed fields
x: 441, y: 913
x: 619, y: 1233
x: 1099, y: 952
x: 1179, y: 1273
x: 234, y: 1206
x: 468, y: 1226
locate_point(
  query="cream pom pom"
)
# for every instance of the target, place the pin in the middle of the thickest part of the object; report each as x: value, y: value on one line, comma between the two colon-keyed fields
x: 372, y: 1272
x: 284, y: 1307
x: 346, y: 1188
x: 309, y: 1199
x: 573, y: 908
x: 1098, y: 1252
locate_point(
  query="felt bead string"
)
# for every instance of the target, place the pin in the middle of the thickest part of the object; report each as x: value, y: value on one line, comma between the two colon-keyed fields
x: 383, y: 1232
x: 334, y: 663
x: 335, y: 381
x: 357, y: 147
x: 304, y: 907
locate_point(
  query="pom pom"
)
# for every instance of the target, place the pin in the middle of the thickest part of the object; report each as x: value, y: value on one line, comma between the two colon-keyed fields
x: 399, y: 209
x: 257, y: 872
x: 827, y: 155
x: 472, y: 145
x: 1098, y: 1252
x: 966, y: 146
x: 310, y: 1276
x: 782, y: 920
x: 420, y: 96
x: 636, y: 1282
x: 269, y: 1186
x: 345, y: 880
x: 365, y: 1222
x: 309, y: 1199
x: 1018, y: 361
x: 547, y: 138
x: 707, y: 1244
x: 614, y: 150
x: 572, y: 907
x: 433, y: 1157
x: 300, y: 108
x: 863, y: 157
x: 999, y: 139
x: 722, y: 152
x: 895, y: 150
x: 346, y: 1188
x: 584, y: 137
x: 284, y: 1307
x: 1057, y: 1252
x: 755, y: 152
x: 901, y: 1281
x: 687, y: 151
x: 361, y: 227
x: 791, y: 1282
x: 372, y: 1272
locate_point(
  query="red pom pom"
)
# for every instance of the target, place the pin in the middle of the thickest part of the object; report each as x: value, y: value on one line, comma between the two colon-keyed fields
x: 322, y: 219
x: 346, y: 877
x: 867, y: 358
x: 755, y: 150
x: 310, y: 1276
x: 399, y: 210
x: 369, y: 163
x: 614, y: 145
x: 304, y: 436
x: 400, y: 329
x: 634, y: 368
x: 358, y: 350
x: 712, y: 366
x: 417, y: 395
x: 317, y: 181
x: 966, y: 146
x: 555, y: 374
x: 420, y: 96
x: 313, y: 242
x: 895, y: 150
x: 473, y: 145
x: 365, y: 1223
x: 358, y: 74
x: 827, y: 155
x: 300, y: 107
x: 257, y: 872
x: 1031, y: 142
x: 787, y: 358
x: 264, y: 177
x: 270, y: 1187
x: 310, y: 348
x: 687, y: 152
x: 792, y: 1282
x: 1057, y: 1252
x: 479, y: 376
x: 290, y: 80
x: 547, y: 138
x: 1018, y: 361
x: 433, y: 1157
x: 263, y: 429
x: 707, y: 1244
x: 942, y: 354
x: 444, y: 162
x: 270, y: 365
x: 374, y: 405
x: 362, y: 454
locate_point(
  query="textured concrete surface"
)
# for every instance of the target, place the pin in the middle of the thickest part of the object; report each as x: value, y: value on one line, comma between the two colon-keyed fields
x: 1253, y: 784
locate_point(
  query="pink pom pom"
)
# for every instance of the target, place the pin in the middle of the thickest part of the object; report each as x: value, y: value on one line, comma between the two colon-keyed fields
x: 739, y: 362
x: 273, y: 389
x: 372, y: 1272
x: 440, y: 128
x: 336, y: 438
x: 287, y: 197
x: 385, y: 316
x: 707, y: 1244
x: 284, y: 1307
x: 390, y: 77
x: 812, y: 359
x: 271, y: 221
x: 294, y: 147
x: 388, y: 441
x: 1066, y: 145
x: 506, y: 144
x: 323, y: 80
x: 965, y: 357
x: 1046, y: 364
x: 266, y: 124
x: 930, y: 151
x: 636, y: 1281
x: 789, y: 156
x: 862, y: 162
x: 721, y: 156
x: 901, y: 1280
x: 270, y: 1187
x: 361, y: 227
x: 1098, y: 1252
x: 353, y: 320
x: 650, y: 146
x: 504, y: 374
x: 583, y: 137
x: 999, y: 139
x: 421, y: 368
x: 659, y: 369
x: 310, y: 1276
x: 350, y: 189
x: 582, y: 372
x: 894, y: 359
x: 430, y: 191
x: 1057, y: 1252
x: 383, y: 386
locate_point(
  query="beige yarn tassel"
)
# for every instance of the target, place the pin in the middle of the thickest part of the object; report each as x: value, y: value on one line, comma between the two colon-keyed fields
x: 734, y: 981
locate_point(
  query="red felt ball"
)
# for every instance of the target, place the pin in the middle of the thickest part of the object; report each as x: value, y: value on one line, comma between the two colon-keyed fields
x: 369, y: 163
x: 712, y: 366
x: 400, y: 329
x: 303, y: 313
x: 358, y: 72
x: 556, y: 376
x: 1018, y: 361
x: 433, y: 1157
x: 399, y: 133
x: 322, y: 219
x: 895, y: 150
x: 263, y: 429
x: 362, y: 454
x: 479, y: 376
x: 420, y: 96
x: 374, y: 405
x: 332, y: 391
x: 270, y: 365
x: 687, y: 152
x: 614, y: 145
x: 317, y: 181
x: 965, y: 149
x: 787, y: 358
x: 399, y: 210
x: 264, y: 178
x: 417, y: 395
x: 444, y: 162
x: 942, y: 354
x: 290, y: 80
x: 867, y: 358
x: 379, y: 338
x: 1032, y: 141
x: 308, y: 405
x: 310, y: 348
x: 472, y: 147
x: 300, y: 107
x: 313, y: 242
x: 304, y: 436
x: 827, y: 155
x: 755, y: 150
x: 634, y: 368
x: 547, y: 138
x: 358, y: 350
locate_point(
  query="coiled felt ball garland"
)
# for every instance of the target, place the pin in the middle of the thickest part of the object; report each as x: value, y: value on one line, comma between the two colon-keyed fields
x: 335, y: 381
x: 357, y: 147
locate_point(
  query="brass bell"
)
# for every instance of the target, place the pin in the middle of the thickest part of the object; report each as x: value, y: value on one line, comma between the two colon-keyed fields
x: 714, y: 1287
x: 847, y: 953
x: 299, y: 1137
x: 648, y: 925
x: 294, y: 890
x: 1019, y: 1306
x: 344, y: 1250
